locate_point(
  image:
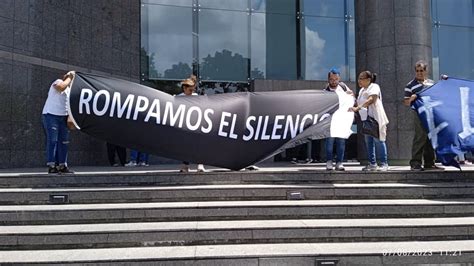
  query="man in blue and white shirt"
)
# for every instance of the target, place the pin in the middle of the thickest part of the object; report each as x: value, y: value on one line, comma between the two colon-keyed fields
x: 422, y: 151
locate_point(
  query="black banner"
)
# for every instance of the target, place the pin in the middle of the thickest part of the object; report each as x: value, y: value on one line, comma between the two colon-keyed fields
x: 231, y: 130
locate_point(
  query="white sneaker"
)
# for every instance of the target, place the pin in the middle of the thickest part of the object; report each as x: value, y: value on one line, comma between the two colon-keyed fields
x: 131, y: 163
x: 340, y: 166
x: 252, y: 168
x: 383, y: 168
x: 201, y: 168
x: 370, y: 167
x: 143, y: 164
x: 329, y: 166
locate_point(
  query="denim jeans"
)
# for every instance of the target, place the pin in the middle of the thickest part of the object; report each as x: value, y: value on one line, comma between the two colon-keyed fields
x: 57, y: 139
x: 340, y: 146
x: 138, y: 157
x: 372, y: 144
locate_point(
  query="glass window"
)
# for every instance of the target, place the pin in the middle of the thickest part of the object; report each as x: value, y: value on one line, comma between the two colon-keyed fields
x: 186, y: 3
x: 274, y: 45
x: 223, y: 45
x: 323, y: 8
x: 167, y: 41
x: 324, y: 47
x: 222, y: 38
x: 258, y: 46
x: 435, y: 53
x: 455, y: 57
x: 351, y: 37
x: 241, y: 5
x: 350, y: 8
x: 209, y: 88
x: 274, y: 6
x: 458, y: 12
x: 351, y: 51
x: 352, y: 70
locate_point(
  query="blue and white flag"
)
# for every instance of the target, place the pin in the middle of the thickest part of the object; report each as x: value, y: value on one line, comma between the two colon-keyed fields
x: 446, y: 110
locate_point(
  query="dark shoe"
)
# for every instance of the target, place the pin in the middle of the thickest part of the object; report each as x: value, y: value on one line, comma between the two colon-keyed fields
x: 433, y: 168
x: 184, y: 168
x: 416, y: 168
x: 52, y: 170
x: 62, y: 169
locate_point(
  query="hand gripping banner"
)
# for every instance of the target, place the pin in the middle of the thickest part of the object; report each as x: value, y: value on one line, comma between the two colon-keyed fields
x: 446, y: 110
x: 231, y: 130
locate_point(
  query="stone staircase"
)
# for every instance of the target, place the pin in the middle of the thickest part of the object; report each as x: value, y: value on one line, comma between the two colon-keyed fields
x: 302, y: 217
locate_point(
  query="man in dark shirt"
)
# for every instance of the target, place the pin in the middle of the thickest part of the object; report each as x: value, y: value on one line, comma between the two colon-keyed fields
x: 422, y: 151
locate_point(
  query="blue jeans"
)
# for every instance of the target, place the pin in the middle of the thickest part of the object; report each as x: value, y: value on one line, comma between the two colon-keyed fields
x: 57, y: 139
x: 372, y: 144
x: 138, y: 157
x: 340, y: 146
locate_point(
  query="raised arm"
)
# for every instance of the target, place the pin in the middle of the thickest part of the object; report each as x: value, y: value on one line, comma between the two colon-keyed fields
x: 61, y: 86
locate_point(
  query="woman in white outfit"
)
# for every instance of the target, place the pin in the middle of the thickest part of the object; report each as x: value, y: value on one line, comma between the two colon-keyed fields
x: 369, y: 102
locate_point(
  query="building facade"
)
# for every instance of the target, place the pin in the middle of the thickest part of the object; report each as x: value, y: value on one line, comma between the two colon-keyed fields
x: 237, y: 45
x: 40, y: 40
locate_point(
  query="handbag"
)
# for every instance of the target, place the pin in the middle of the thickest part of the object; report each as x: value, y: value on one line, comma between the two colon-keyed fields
x: 370, y: 126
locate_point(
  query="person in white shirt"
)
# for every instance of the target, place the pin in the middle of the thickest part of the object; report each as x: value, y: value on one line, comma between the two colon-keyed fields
x: 334, y: 83
x: 54, y: 116
x: 369, y: 103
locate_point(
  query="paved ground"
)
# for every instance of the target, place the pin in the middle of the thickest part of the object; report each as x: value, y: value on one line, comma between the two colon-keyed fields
x: 163, y: 168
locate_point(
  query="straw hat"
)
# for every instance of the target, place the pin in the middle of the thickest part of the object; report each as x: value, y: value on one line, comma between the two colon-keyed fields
x: 187, y: 82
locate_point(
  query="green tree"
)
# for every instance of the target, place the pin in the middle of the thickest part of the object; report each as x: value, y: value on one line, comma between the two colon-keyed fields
x: 224, y: 66
x: 180, y: 70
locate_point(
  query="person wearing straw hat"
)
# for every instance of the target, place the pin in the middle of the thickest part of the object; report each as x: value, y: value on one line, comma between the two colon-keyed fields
x: 189, y: 87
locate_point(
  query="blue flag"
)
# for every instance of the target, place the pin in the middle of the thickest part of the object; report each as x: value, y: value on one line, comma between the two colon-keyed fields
x: 446, y: 110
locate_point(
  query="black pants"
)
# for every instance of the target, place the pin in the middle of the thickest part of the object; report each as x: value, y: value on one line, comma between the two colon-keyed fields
x: 121, y: 152
x: 422, y: 152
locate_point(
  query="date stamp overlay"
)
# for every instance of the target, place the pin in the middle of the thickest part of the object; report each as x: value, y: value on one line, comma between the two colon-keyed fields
x: 422, y: 253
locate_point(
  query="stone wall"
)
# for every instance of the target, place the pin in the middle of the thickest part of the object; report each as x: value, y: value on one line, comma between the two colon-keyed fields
x: 40, y: 41
x: 391, y: 35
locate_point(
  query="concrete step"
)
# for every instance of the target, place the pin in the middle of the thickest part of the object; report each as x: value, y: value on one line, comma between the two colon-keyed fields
x: 165, y: 177
x: 234, y: 210
x: 235, y: 192
x: 361, y: 253
x: 233, y: 232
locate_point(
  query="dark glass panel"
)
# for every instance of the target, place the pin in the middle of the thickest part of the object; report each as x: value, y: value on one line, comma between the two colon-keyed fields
x: 274, y: 46
x: 457, y: 12
x: 223, y: 45
x: 241, y: 5
x: 167, y: 41
x: 455, y: 57
x: 274, y: 6
x: 183, y: 3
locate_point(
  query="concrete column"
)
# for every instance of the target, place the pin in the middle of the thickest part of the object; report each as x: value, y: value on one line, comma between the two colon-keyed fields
x: 391, y: 35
